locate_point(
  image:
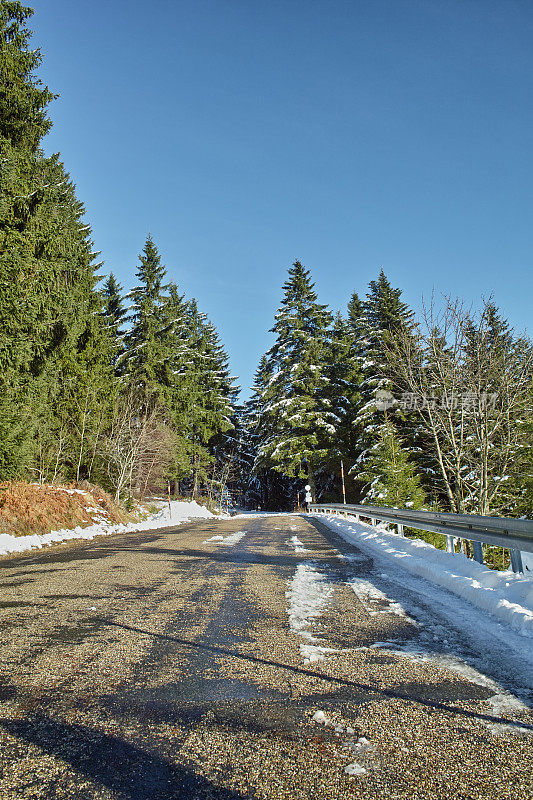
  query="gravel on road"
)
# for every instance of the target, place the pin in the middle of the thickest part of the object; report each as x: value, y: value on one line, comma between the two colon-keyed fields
x: 244, y: 658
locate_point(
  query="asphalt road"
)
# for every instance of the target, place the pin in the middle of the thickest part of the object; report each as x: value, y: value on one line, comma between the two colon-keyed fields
x: 169, y: 664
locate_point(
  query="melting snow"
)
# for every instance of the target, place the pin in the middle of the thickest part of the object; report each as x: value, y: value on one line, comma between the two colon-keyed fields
x: 375, y: 601
x: 297, y: 544
x: 230, y: 540
x: 308, y: 595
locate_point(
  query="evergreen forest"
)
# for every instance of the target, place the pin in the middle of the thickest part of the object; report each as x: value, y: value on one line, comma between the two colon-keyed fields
x: 129, y: 387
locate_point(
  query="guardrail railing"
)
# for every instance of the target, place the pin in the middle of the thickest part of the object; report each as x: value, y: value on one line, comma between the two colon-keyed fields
x: 513, y: 534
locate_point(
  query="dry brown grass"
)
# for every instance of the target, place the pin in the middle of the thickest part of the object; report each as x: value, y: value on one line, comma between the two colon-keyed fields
x: 28, y: 508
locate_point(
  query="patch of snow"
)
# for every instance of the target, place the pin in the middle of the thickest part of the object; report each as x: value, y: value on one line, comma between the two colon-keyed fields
x: 233, y: 538
x: 375, y: 601
x: 230, y: 540
x: 297, y: 544
x: 311, y: 653
x: 308, y: 595
x: 355, y: 769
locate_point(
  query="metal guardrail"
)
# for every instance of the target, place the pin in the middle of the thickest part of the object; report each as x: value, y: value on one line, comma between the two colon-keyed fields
x: 514, y: 534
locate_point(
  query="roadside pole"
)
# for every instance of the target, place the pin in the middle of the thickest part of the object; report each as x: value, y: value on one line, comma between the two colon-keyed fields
x: 169, y: 506
x: 343, y: 486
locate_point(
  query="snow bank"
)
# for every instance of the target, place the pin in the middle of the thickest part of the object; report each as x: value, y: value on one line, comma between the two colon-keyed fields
x: 506, y: 595
x: 180, y: 512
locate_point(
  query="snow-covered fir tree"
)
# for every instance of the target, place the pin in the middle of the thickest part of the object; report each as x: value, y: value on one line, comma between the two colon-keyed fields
x: 344, y: 391
x: 265, y: 487
x: 297, y: 424
x: 381, y: 317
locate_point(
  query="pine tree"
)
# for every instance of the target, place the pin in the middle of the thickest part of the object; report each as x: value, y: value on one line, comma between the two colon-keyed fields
x: 50, y: 338
x: 114, y: 315
x: 384, y: 316
x: 297, y: 422
x: 390, y: 474
x: 143, y: 359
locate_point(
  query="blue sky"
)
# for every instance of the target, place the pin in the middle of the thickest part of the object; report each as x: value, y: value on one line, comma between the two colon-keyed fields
x: 350, y: 135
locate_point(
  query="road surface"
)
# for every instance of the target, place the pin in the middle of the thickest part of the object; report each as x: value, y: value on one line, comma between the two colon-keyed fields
x: 257, y: 657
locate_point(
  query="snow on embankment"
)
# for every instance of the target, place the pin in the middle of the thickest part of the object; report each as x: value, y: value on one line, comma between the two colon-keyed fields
x: 507, y: 596
x: 180, y: 512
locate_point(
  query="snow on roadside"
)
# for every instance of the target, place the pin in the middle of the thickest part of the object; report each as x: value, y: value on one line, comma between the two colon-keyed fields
x: 507, y: 596
x: 180, y: 512
x: 308, y: 595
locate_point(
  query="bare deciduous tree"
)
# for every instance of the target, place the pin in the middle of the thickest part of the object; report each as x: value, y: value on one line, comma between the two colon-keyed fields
x: 468, y: 378
x: 137, y: 449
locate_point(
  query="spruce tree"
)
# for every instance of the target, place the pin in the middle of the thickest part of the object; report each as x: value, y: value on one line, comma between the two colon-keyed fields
x: 265, y: 487
x: 143, y: 359
x: 344, y: 392
x: 522, y: 473
x: 297, y: 422
x: 23, y: 98
x: 211, y: 393
x: 114, y: 315
x: 50, y: 337
x: 383, y: 316
x: 390, y: 473
x: 23, y: 123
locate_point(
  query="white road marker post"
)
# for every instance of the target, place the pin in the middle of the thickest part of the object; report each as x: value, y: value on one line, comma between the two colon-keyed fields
x: 343, y: 486
x: 308, y: 496
x: 169, y: 506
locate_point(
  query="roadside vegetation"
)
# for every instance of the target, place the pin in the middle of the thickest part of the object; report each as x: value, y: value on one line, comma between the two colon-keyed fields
x: 28, y: 508
x: 125, y: 389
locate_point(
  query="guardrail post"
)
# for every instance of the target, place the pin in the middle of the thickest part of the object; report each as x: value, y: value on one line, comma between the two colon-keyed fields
x: 450, y: 544
x: 516, y: 561
x: 400, y: 528
x: 477, y: 549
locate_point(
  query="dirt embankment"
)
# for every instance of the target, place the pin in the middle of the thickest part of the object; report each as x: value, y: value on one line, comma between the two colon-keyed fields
x: 28, y: 508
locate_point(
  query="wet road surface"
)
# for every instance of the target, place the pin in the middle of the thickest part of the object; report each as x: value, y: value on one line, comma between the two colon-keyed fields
x: 257, y: 657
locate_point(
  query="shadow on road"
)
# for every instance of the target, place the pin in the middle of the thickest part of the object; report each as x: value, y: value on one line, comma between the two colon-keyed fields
x: 356, y: 685
x: 124, y: 768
